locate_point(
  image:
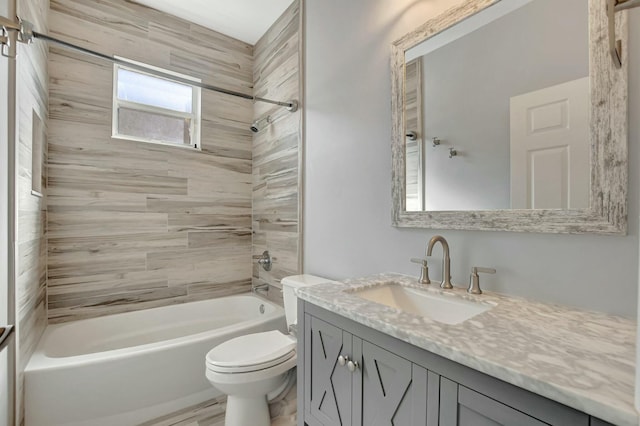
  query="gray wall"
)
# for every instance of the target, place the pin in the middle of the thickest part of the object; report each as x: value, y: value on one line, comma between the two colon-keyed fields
x: 634, y: 130
x: 348, y: 177
x: 471, y: 81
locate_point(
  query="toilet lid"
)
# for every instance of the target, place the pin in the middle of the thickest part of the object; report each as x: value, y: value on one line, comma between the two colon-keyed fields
x: 251, y: 368
x: 252, y: 350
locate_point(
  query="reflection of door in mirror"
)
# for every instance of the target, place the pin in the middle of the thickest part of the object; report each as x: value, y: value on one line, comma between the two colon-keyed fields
x: 414, y: 147
x: 550, y: 147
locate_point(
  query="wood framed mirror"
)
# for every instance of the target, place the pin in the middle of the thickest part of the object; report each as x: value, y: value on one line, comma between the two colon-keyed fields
x: 488, y: 135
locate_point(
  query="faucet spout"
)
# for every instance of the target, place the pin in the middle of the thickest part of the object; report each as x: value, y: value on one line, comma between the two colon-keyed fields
x: 446, y: 260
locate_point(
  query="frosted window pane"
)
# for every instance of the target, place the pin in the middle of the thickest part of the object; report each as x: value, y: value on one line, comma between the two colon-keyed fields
x: 145, y: 89
x: 152, y: 126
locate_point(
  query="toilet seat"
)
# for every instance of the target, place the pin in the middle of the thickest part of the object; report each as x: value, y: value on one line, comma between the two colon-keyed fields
x: 251, y: 352
x: 249, y: 377
x: 251, y: 368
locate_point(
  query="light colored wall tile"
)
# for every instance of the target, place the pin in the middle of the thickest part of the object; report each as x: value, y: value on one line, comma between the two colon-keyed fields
x: 276, y: 152
x: 136, y: 225
x: 32, y: 98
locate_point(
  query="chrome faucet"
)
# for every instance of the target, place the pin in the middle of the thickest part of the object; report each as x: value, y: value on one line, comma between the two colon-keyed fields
x: 474, y: 279
x: 446, y: 260
x: 264, y: 260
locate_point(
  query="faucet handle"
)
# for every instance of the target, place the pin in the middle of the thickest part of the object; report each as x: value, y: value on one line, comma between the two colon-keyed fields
x: 474, y: 278
x: 424, y: 272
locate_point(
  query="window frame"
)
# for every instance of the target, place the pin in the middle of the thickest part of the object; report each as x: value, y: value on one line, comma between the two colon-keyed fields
x: 195, y: 115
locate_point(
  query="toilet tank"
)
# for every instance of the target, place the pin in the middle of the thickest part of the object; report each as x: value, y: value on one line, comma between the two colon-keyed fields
x: 289, y: 286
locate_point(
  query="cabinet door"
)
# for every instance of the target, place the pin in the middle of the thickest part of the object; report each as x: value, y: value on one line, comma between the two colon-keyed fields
x: 328, y: 385
x: 460, y: 406
x: 393, y: 390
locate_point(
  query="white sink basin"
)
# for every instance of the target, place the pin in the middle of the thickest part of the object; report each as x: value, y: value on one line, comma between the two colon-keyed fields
x: 444, y: 308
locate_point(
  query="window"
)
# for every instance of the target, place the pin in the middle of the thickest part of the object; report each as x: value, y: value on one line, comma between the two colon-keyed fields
x: 154, y: 109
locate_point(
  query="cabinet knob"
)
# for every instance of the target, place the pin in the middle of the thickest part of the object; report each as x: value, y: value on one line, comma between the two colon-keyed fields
x: 342, y: 360
x: 352, y: 366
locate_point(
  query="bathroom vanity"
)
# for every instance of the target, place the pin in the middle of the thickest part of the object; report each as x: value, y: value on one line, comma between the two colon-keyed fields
x: 516, y: 363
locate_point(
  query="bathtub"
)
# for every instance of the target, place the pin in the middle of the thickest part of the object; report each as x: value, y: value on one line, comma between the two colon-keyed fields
x: 128, y: 368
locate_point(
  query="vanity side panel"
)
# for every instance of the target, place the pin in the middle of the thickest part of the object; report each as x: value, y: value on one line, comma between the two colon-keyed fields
x: 301, y: 372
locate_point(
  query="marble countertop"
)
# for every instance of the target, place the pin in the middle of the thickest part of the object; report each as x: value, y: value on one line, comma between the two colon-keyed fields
x: 582, y: 359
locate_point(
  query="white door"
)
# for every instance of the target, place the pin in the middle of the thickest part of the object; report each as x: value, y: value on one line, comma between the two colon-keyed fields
x: 550, y: 149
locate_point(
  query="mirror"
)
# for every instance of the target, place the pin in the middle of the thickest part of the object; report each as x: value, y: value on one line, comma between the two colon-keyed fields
x: 506, y: 115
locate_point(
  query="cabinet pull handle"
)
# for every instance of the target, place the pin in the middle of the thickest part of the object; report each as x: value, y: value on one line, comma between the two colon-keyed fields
x: 352, y: 366
x: 342, y: 360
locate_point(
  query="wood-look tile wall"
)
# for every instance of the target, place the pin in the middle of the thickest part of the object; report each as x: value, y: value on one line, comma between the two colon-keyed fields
x: 32, y: 99
x: 135, y: 225
x: 276, y: 152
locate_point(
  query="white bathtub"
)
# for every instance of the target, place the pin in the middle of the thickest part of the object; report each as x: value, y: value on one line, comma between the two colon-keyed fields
x: 127, y: 368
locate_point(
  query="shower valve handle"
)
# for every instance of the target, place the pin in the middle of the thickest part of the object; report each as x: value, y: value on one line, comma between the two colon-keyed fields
x: 264, y: 260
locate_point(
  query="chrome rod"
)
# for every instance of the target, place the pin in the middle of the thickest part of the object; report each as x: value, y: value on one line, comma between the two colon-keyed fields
x: 626, y: 4
x: 9, y: 24
x: 290, y: 105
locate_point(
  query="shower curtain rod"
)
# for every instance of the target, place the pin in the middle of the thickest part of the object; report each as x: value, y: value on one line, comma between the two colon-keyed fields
x: 27, y: 34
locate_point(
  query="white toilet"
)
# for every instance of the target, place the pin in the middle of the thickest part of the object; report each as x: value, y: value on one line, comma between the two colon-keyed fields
x: 249, y: 368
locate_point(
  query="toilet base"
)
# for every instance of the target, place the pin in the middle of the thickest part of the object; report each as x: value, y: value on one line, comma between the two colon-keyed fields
x: 247, y: 392
x: 247, y: 410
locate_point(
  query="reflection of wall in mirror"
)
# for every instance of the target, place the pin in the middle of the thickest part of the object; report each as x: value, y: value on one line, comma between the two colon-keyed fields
x: 467, y: 87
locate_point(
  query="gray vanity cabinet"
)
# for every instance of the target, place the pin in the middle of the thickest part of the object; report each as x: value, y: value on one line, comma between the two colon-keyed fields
x: 392, y: 382
x: 373, y: 387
